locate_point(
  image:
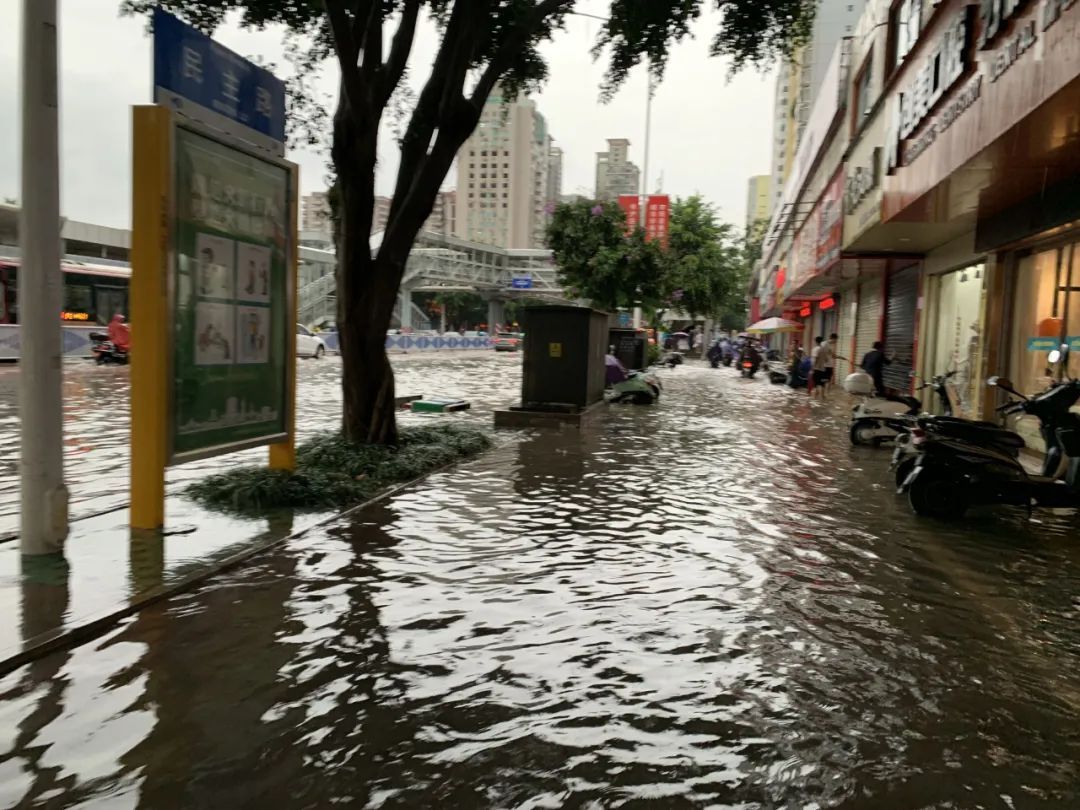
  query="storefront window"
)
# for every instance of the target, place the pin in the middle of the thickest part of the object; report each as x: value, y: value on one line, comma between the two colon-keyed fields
x: 957, y: 343
x: 1045, y: 304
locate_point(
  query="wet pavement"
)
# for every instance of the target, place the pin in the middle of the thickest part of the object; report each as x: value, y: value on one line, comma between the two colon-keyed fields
x: 716, y: 602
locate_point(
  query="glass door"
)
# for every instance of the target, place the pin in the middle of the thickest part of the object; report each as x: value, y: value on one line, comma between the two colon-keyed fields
x: 1046, y: 312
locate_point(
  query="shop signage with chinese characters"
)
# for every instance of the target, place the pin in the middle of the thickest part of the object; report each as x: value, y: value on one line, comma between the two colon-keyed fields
x: 939, y: 72
x: 862, y: 180
x: 803, y: 261
x: 830, y: 211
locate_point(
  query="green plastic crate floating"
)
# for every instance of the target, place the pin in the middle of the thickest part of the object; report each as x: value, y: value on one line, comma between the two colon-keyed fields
x: 439, y: 405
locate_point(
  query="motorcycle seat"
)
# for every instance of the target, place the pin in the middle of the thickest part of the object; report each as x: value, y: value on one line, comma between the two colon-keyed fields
x: 980, y: 432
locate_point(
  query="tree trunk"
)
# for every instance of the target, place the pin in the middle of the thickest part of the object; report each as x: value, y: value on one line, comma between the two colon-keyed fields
x: 366, y: 291
x: 367, y: 286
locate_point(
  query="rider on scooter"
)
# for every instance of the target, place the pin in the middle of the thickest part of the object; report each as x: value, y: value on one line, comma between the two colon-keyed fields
x: 120, y: 333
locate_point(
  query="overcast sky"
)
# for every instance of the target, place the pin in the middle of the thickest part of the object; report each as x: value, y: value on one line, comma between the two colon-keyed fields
x: 708, y: 135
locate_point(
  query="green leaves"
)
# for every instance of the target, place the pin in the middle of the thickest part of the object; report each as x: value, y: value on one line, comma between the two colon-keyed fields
x: 598, y: 261
x: 703, y: 271
x: 703, y: 261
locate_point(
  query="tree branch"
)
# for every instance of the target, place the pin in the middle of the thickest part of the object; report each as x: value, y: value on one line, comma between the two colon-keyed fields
x: 512, y: 45
x: 400, y: 49
x: 371, y: 48
x: 346, y: 50
x: 446, y: 81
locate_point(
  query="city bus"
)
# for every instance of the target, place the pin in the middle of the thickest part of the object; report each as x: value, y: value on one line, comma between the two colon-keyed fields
x: 93, y: 293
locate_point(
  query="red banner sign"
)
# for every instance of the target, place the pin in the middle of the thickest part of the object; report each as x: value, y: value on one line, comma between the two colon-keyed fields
x: 631, y: 206
x: 658, y: 218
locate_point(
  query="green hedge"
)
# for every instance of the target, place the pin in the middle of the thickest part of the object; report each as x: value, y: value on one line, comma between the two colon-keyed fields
x: 332, y: 472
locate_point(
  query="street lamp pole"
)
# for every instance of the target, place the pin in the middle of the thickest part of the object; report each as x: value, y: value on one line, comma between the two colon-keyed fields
x: 44, y: 498
x: 645, y: 169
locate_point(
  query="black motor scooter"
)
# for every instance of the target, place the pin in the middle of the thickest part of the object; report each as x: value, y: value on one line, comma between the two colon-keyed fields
x: 951, y: 474
x: 915, y: 426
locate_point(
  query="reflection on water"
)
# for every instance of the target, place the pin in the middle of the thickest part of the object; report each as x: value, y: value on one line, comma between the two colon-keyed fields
x: 96, y: 420
x: 715, y: 603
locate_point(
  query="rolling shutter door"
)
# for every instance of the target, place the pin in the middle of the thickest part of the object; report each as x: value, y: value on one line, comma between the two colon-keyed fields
x: 867, y: 317
x: 900, y: 327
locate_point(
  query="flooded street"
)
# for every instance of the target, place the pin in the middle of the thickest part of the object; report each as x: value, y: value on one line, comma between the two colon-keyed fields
x: 97, y: 422
x: 692, y: 605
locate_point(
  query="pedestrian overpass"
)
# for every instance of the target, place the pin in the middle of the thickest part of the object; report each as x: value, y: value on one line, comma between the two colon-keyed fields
x: 437, y: 263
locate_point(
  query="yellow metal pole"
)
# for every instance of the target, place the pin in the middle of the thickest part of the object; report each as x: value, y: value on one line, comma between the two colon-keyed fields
x: 150, y: 238
x: 283, y: 454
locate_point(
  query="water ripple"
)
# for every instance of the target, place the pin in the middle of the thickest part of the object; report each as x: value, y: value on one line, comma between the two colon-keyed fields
x: 715, y: 603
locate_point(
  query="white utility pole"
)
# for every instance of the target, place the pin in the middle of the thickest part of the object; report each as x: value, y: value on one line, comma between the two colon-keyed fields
x: 44, y: 507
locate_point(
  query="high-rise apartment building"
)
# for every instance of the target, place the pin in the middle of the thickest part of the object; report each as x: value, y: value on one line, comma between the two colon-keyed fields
x: 503, y: 176
x: 315, y: 213
x: 440, y: 221
x: 554, y: 179
x: 615, y: 174
x: 758, y: 199
x: 800, y: 79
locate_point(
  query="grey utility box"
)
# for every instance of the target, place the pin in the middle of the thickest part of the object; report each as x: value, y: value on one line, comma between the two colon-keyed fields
x: 564, y: 358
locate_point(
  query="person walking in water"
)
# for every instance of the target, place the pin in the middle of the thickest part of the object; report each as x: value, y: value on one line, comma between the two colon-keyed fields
x: 822, y: 360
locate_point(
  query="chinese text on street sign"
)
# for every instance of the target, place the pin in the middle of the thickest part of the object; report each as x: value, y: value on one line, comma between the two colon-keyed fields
x: 190, y: 66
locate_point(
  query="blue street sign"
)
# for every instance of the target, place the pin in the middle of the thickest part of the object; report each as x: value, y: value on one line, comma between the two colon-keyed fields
x: 521, y: 282
x: 195, y: 67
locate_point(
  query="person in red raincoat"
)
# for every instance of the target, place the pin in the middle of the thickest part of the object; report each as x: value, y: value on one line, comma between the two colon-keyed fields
x: 120, y: 333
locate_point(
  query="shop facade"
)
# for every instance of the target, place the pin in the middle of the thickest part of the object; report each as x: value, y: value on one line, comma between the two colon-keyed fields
x: 982, y: 178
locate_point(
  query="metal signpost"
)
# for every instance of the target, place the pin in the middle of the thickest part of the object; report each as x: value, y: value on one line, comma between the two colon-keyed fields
x: 214, y: 256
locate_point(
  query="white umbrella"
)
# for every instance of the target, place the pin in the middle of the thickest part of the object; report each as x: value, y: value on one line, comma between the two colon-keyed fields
x: 770, y: 325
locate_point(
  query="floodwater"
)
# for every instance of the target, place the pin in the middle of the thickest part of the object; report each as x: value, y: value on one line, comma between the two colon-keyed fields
x: 715, y: 602
x: 97, y: 424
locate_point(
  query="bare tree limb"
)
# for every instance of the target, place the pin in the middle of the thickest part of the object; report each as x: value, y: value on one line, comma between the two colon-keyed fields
x: 346, y: 50
x: 371, y: 48
x: 400, y: 49
x: 446, y: 80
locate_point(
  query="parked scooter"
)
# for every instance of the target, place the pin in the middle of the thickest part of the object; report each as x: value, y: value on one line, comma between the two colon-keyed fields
x: 637, y: 387
x: 877, y: 419
x: 950, y: 474
x: 105, y: 352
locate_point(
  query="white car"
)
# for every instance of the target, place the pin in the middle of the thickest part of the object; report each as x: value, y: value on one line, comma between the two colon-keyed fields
x: 307, y: 344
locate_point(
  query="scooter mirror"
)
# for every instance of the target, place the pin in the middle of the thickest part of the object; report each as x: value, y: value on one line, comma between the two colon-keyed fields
x: 992, y: 381
x: 1055, y: 357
